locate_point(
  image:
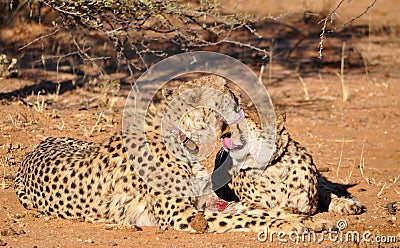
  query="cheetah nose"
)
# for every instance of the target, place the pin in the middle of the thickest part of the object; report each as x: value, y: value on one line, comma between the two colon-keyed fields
x: 227, y: 143
x: 241, y: 118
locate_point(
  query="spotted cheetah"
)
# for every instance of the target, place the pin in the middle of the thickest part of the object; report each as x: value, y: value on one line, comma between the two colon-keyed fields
x: 289, y: 180
x: 133, y: 180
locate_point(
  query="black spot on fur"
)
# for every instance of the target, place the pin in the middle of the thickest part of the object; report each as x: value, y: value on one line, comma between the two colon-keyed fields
x: 222, y: 223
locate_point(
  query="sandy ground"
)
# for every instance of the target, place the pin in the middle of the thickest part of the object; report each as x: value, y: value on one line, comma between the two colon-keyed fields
x: 354, y: 142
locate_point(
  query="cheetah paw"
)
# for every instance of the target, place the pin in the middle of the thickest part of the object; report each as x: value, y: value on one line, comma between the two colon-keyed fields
x: 319, y: 225
x: 345, y: 206
x: 288, y: 226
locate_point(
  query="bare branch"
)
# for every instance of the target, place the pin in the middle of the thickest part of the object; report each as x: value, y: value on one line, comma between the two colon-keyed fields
x: 360, y: 15
x: 140, y: 26
x: 39, y: 38
x: 330, y: 18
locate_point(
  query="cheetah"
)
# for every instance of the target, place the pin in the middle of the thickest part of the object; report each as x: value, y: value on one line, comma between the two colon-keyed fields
x: 289, y: 180
x: 134, y: 178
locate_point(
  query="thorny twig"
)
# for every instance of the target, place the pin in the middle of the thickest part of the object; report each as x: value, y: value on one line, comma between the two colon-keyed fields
x: 330, y: 18
x: 141, y: 26
x: 39, y: 38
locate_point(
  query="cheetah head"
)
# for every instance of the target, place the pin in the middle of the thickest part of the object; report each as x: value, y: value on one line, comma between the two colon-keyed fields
x: 201, y: 109
x: 250, y: 148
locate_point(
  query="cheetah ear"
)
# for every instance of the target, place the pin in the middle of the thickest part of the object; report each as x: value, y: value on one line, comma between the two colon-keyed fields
x: 167, y: 94
x: 280, y: 121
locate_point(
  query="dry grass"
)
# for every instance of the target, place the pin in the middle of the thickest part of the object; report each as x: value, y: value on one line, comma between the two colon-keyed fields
x: 3, y: 178
x: 372, y: 181
x: 271, y: 52
x: 7, y: 68
x: 40, y: 104
x: 340, y: 159
x: 347, y: 181
x: 96, y: 125
x: 345, y: 92
x: 260, y: 75
x: 303, y: 84
x: 362, y: 160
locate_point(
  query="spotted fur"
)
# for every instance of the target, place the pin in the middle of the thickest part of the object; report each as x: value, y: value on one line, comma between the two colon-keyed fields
x: 133, y: 178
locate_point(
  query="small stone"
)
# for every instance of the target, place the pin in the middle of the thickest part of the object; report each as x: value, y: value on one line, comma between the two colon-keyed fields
x: 324, y: 169
x: 112, y: 243
x: 17, y: 217
x: 391, y: 207
x: 89, y: 241
x: 10, y: 232
x: 2, y: 242
x: 36, y: 214
x: 79, y: 219
x: 136, y: 228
